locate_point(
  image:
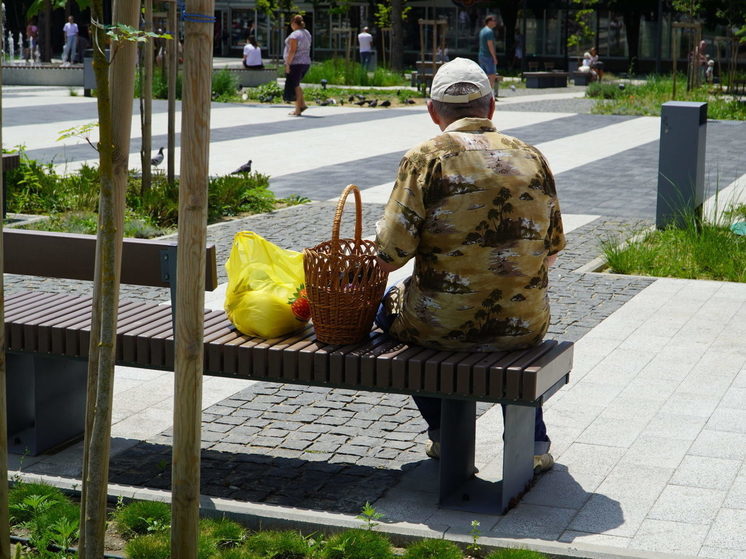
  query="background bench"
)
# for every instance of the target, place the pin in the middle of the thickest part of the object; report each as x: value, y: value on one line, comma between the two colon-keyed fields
x: 48, y: 334
x: 540, y: 80
x: 582, y: 78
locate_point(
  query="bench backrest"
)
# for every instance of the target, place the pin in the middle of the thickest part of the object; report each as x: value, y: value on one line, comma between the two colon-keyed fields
x: 145, y: 262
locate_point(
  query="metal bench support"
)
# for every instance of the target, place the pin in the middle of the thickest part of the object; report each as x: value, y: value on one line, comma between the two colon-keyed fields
x: 460, y: 489
x: 46, y: 401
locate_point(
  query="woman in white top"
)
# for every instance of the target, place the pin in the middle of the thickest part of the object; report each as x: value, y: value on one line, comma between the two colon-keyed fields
x: 252, y: 55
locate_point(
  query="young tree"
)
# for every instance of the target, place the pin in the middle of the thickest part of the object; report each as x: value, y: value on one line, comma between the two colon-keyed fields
x: 4, y: 520
x: 115, y: 90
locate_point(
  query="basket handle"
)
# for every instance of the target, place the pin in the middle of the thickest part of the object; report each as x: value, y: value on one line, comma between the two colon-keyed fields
x: 358, y: 215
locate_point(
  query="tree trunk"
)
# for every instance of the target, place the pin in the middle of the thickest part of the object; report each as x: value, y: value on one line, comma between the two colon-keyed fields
x: 509, y: 13
x: 146, y: 93
x: 4, y: 521
x: 190, y: 294
x: 115, y: 113
x: 632, y: 28
x: 397, y: 36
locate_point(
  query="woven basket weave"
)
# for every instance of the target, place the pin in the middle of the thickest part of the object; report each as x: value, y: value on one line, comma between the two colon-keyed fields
x: 344, y: 282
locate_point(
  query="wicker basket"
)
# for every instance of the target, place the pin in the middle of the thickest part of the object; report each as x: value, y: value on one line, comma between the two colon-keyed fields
x: 344, y: 282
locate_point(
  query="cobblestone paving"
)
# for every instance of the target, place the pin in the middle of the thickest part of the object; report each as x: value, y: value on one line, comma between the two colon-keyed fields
x: 330, y: 449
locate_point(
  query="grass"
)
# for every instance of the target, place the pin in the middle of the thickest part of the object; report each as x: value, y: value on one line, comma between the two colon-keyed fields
x: 698, y: 250
x: 272, y: 93
x: 646, y: 99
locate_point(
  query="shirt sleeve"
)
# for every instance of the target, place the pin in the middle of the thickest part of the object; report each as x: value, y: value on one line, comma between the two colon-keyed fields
x: 398, y: 233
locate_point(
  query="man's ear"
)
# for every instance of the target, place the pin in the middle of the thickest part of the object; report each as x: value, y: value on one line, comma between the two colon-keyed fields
x: 433, y: 115
x: 492, y: 108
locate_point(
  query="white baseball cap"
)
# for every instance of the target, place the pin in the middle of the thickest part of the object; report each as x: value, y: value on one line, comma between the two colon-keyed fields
x: 459, y: 70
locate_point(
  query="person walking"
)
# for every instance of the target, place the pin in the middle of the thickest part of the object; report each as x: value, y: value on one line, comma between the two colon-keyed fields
x: 297, y: 56
x: 478, y: 212
x: 70, y: 30
x: 365, y: 43
x: 487, y: 51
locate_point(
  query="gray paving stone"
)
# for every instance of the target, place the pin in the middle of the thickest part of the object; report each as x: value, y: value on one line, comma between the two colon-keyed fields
x: 669, y: 537
x: 533, y: 521
x: 706, y: 472
x: 736, y: 498
x: 727, y: 530
x: 692, y: 505
x: 720, y: 444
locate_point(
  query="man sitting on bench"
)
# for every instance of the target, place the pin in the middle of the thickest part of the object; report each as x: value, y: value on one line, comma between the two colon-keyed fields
x: 478, y: 212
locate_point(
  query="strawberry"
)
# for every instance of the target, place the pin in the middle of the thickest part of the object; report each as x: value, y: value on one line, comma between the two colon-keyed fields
x: 299, y: 304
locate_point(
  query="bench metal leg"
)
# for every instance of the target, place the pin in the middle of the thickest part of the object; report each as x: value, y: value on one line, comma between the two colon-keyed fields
x: 518, y: 453
x: 459, y: 488
x: 46, y: 401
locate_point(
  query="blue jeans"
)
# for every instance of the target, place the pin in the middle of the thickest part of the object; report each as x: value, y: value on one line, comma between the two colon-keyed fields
x: 365, y: 59
x: 429, y: 406
x: 68, y: 52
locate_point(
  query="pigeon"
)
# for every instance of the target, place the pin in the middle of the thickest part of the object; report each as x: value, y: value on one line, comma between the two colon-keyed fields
x: 361, y: 97
x: 373, y: 103
x: 360, y: 103
x: 512, y: 88
x: 411, y: 101
x: 351, y: 98
x: 245, y: 168
x: 158, y: 159
x: 386, y: 103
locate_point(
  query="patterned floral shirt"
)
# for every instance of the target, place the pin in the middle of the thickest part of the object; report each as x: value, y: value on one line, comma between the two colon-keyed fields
x: 479, y: 213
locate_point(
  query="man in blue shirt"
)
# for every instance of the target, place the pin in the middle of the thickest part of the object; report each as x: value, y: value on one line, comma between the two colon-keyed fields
x: 487, y: 52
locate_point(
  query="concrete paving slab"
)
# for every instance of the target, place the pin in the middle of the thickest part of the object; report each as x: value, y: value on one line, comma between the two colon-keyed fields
x: 706, y: 472
x: 671, y: 537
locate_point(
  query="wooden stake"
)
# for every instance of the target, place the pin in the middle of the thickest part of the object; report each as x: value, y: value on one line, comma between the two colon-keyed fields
x: 190, y: 293
x: 4, y: 521
x: 146, y: 90
x: 173, y: 73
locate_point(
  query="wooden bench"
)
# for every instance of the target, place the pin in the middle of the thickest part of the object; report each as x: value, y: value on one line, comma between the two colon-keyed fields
x: 541, y: 80
x: 55, y: 328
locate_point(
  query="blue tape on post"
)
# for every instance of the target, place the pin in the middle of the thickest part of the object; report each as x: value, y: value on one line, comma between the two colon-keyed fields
x: 199, y: 18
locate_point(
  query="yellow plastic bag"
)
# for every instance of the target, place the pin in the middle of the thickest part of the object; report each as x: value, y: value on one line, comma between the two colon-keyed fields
x: 265, y: 295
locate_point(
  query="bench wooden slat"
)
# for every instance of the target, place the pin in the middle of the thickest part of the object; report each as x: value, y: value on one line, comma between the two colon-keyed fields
x: 276, y: 353
x: 384, y: 370
x: 416, y: 369
x: 349, y: 359
x: 368, y: 363
x: 44, y: 341
x: 33, y: 311
x: 545, y: 371
x: 514, y: 372
x: 448, y: 377
x: 480, y: 372
x: 431, y: 379
x: 398, y: 365
x: 217, y: 354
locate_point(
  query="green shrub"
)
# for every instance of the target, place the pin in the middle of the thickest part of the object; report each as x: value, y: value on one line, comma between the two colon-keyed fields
x: 225, y: 532
x: 357, y: 544
x: 603, y: 90
x: 516, y: 554
x: 268, y: 92
x: 224, y: 85
x: 28, y: 499
x: 142, y: 517
x: 346, y: 72
x: 285, y: 544
x: 433, y: 549
x: 160, y: 85
x: 233, y: 194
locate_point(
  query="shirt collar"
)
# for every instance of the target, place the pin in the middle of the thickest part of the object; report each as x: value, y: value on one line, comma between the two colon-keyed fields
x: 471, y: 124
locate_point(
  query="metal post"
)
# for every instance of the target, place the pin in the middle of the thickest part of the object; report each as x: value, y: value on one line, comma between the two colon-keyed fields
x: 681, y: 163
